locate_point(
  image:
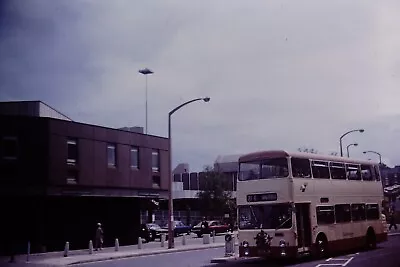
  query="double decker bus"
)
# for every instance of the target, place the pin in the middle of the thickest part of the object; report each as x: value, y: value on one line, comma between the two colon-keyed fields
x: 291, y: 204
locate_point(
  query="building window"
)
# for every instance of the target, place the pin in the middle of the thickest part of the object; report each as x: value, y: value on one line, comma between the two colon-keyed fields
x: 9, y: 147
x: 111, y: 155
x: 155, y: 160
x: 156, y: 181
x: 72, y: 154
x: 135, y: 157
x: 72, y: 177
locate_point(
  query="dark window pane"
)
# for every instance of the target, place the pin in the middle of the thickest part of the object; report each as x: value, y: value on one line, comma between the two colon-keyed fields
x: 72, y: 177
x: 342, y: 213
x: 134, y: 157
x: 274, y: 168
x: 194, y: 182
x: 325, y: 215
x: 372, y: 211
x: 155, y: 160
x: 353, y: 172
x: 156, y: 181
x: 358, y: 212
x: 111, y: 158
x: 301, y: 168
x: 177, y: 177
x: 338, y: 171
x: 366, y: 172
x: 185, y: 180
x: 320, y: 169
x: 72, y: 146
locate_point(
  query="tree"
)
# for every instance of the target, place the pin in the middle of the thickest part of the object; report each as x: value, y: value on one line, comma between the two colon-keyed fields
x: 307, y: 150
x: 215, y: 198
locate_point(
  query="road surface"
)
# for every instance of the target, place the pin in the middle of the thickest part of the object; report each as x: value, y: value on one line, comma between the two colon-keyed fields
x: 386, y: 255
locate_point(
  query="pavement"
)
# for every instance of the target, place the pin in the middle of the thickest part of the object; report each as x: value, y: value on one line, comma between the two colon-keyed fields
x: 194, y: 253
x: 83, y: 256
x: 387, y: 254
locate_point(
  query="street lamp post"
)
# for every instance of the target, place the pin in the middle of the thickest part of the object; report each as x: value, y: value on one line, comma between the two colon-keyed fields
x: 146, y: 72
x: 340, y: 140
x: 170, y: 200
x: 354, y: 144
x: 379, y: 154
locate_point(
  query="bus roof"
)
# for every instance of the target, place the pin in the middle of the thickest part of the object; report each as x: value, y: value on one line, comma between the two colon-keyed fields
x: 255, y: 156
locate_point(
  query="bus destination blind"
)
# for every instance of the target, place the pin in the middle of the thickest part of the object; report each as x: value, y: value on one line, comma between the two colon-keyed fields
x: 262, y: 197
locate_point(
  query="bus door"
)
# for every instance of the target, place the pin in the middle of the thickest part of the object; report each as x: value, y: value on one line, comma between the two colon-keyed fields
x: 303, y: 224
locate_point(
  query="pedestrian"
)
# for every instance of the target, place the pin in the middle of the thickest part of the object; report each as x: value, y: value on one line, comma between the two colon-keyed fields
x: 204, y: 226
x: 392, y: 220
x: 231, y: 226
x: 99, y: 237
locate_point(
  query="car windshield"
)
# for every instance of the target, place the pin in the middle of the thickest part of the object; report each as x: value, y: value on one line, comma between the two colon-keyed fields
x: 265, y: 169
x: 270, y: 216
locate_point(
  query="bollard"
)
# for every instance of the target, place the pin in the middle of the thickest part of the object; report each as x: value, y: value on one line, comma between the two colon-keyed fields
x: 213, y: 236
x: 162, y: 240
x: 66, y: 249
x: 139, y: 243
x: 116, y: 244
x: 229, y: 245
x: 90, y: 247
x: 206, y: 239
x: 28, y: 251
x: 183, y: 240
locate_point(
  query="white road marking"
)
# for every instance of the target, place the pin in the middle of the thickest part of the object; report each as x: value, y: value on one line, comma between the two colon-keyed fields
x: 345, y: 261
x: 328, y: 264
x: 348, y: 261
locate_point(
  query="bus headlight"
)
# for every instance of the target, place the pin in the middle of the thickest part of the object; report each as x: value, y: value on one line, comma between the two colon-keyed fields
x: 282, y: 245
x: 246, y: 248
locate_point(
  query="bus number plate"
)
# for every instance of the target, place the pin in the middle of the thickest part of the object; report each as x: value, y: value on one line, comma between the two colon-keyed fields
x: 262, y: 197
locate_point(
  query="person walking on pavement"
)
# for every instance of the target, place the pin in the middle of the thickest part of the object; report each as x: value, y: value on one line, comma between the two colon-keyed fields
x: 99, y: 237
x: 204, y: 227
x: 392, y: 220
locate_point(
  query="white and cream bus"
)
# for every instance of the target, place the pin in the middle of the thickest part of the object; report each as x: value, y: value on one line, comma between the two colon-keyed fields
x: 295, y: 203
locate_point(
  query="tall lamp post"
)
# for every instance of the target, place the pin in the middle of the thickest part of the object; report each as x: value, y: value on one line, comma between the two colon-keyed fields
x: 146, y: 72
x: 379, y: 154
x: 170, y: 200
x: 354, y: 144
x: 340, y: 140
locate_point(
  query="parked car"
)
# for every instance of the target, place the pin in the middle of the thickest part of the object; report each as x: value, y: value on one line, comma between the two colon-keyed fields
x: 216, y: 227
x: 151, y: 231
x: 179, y: 228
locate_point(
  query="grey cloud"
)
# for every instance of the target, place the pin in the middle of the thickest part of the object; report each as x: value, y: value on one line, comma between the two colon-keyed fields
x: 280, y: 74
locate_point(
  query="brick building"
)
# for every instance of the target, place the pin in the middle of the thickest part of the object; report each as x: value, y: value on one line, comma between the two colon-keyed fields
x: 60, y: 177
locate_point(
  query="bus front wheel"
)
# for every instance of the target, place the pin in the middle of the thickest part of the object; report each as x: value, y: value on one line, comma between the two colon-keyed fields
x: 371, y: 239
x: 321, y: 245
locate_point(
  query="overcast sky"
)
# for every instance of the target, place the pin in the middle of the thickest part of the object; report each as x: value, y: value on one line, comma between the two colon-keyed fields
x: 280, y: 74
